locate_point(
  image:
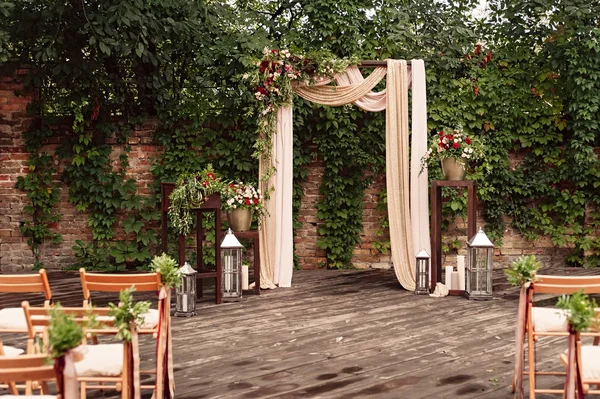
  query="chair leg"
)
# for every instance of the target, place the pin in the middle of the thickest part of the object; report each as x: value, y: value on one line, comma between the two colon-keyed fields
x: 82, y: 390
x: 531, y: 364
x: 12, y: 388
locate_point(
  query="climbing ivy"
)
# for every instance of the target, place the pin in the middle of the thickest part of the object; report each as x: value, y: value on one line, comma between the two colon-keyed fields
x: 42, y: 192
x: 528, y: 90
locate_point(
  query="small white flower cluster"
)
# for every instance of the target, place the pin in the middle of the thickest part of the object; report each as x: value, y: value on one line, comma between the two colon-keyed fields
x: 243, y: 196
x: 268, y: 109
x: 467, y: 152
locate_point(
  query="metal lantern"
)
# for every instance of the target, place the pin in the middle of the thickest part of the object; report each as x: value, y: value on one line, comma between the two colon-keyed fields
x: 479, y: 267
x: 231, y: 262
x: 422, y: 274
x: 186, y: 292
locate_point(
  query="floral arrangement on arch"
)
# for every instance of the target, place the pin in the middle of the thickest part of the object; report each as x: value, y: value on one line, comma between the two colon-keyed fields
x: 453, y: 143
x: 243, y: 196
x: 272, y: 81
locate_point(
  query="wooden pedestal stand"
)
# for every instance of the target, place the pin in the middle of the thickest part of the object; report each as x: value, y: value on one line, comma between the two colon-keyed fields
x: 436, y: 224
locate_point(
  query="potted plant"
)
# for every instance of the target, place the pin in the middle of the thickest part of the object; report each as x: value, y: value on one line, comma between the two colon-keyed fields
x: 191, y: 190
x: 523, y: 270
x: 241, y: 201
x: 454, y: 149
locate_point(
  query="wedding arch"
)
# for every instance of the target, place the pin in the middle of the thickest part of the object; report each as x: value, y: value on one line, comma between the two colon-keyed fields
x: 408, y: 201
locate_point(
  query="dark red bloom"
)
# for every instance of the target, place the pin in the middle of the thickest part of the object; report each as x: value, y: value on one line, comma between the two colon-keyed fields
x: 477, y: 49
x: 211, y: 175
x: 247, y: 201
x: 489, y: 55
x: 205, y: 183
x: 264, y: 65
x: 455, y: 145
x: 442, y: 133
x: 449, y: 137
x: 255, y: 201
x: 263, y: 91
x: 274, y: 51
x: 232, y: 185
x: 468, y: 141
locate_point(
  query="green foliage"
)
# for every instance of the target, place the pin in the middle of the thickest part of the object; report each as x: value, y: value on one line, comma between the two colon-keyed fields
x: 169, y: 270
x: 580, y: 309
x: 127, y: 314
x: 64, y: 332
x: 530, y: 93
x: 42, y: 193
x: 523, y: 270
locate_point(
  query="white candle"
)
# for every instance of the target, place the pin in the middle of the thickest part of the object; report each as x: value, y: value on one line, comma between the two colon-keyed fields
x: 244, y: 277
x: 448, y: 275
x: 460, y: 266
x: 184, y: 303
x: 454, y: 281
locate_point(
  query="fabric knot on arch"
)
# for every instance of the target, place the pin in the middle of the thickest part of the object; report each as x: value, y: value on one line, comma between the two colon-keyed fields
x: 407, y: 189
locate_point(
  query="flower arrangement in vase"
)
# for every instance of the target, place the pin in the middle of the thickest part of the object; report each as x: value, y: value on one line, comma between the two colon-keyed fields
x: 191, y: 190
x: 240, y: 201
x: 454, y: 149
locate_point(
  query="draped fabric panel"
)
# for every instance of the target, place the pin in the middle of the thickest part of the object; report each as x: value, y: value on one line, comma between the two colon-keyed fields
x: 276, y: 234
x: 419, y: 182
x: 397, y: 182
x: 276, y: 243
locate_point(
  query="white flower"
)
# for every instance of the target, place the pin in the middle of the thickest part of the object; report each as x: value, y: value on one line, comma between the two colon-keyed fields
x: 258, y: 64
x: 456, y: 140
x: 470, y: 150
x: 464, y: 155
x: 445, y: 140
x: 245, y: 76
x: 266, y: 50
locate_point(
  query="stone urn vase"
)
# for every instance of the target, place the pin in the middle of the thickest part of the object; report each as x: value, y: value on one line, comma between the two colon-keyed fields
x: 239, y: 219
x: 453, y: 170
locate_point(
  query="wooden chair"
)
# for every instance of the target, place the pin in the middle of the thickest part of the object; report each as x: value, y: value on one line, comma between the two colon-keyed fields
x: 536, y: 322
x: 12, y: 320
x: 100, y: 364
x: 143, y: 282
x: 583, y: 364
x: 28, y: 368
x: 157, y: 321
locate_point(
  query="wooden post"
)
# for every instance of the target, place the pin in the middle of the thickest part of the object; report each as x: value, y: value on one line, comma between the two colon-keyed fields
x: 436, y: 221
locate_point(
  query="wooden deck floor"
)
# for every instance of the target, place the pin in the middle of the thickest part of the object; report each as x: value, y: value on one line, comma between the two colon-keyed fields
x: 341, y: 334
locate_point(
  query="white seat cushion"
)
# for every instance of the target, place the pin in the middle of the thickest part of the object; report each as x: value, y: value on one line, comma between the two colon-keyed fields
x: 150, y: 318
x: 13, y: 319
x: 104, y: 360
x: 550, y: 320
x: 11, y: 351
x: 590, y: 361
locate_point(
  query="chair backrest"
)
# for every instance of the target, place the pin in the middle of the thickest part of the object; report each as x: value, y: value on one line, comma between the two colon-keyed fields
x: 566, y: 284
x: 26, y: 368
x: 38, y: 318
x: 117, y: 282
x: 37, y: 282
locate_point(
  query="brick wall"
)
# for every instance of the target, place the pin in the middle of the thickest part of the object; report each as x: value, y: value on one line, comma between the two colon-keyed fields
x: 15, y: 254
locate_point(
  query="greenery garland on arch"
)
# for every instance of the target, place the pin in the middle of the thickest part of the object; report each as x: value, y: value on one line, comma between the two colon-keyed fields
x: 273, y: 79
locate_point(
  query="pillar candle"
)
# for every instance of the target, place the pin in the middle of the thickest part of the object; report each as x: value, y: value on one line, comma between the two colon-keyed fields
x: 454, y: 281
x: 448, y: 276
x: 460, y: 266
x: 244, y: 277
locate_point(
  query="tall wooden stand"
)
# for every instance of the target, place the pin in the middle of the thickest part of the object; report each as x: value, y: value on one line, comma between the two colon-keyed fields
x: 211, y: 205
x: 436, y: 222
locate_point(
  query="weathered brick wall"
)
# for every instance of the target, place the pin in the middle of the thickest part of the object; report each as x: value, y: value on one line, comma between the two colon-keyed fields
x: 16, y: 255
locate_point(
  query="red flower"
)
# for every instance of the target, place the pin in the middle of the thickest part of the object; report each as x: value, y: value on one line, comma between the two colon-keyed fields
x: 211, y: 175
x: 489, y: 55
x: 247, y: 201
x: 442, y: 133
x: 455, y: 145
x: 468, y: 141
x: 476, y: 90
x: 274, y: 51
x: 449, y: 137
x: 255, y: 201
x: 477, y: 49
x: 264, y: 65
x: 232, y: 185
x: 205, y: 183
x: 263, y: 91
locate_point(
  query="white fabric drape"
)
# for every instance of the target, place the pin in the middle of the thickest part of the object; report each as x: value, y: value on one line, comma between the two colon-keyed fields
x: 419, y: 182
x: 276, y: 244
x: 276, y: 234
